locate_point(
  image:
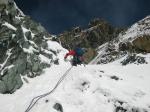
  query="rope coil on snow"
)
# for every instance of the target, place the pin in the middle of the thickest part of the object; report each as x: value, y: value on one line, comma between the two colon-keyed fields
x: 37, y: 98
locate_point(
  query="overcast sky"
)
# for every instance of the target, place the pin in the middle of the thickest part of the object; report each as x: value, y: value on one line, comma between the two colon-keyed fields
x: 59, y: 15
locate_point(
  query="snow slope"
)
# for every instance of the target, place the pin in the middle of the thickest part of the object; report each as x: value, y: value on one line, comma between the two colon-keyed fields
x: 140, y: 28
x: 110, y: 51
x: 94, y: 88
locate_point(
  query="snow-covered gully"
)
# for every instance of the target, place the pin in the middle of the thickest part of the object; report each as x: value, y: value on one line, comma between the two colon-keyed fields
x: 96, y: 88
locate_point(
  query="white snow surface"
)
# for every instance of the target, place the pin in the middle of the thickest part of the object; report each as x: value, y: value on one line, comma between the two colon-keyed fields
x: 30, y: 50
x: 8, y: 56
x: 27, y: 30
x: 52, y: 45
x: 138, y: 29
x: 101, y: 51
x: 85, y: 89
x: 9, y: 26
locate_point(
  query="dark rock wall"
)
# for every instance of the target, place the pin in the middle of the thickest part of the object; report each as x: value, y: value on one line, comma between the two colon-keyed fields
x: 22, y: 41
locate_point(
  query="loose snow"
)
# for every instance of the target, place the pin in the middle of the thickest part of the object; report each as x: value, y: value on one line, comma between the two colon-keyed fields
x: 8, y: 56
x: 30, y: 50
x: 93, y: 88
x: 54, y: 45
x: 9, y: 26
x: 138, y: 29
x: 27, y: 30
x: 44, y: 59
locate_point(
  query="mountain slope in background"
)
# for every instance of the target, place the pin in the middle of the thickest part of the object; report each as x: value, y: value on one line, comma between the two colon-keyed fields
x: 98, y: 32
x: 129, y: 44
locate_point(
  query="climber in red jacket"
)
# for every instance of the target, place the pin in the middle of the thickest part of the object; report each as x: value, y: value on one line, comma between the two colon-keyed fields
x: 71, y: 52
x: 77, y: 54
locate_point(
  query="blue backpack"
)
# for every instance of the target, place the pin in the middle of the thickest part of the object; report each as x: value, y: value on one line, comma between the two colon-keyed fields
x: 79, y: 51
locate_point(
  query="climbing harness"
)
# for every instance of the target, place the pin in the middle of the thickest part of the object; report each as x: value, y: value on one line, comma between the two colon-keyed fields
x: 37, y: 98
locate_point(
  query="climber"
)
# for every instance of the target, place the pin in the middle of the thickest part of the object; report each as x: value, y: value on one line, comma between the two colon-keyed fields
x: 77, y: 54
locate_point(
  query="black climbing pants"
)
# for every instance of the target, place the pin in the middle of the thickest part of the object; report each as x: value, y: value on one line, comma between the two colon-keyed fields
x: 76, y: 61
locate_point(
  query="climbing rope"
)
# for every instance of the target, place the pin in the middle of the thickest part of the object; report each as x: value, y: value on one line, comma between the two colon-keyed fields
x: 37, y: 98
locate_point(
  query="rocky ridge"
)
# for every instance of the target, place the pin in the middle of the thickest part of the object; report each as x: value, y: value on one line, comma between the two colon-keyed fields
x: 23, y: 45
x: 98, y: 32
x: 131, y: 44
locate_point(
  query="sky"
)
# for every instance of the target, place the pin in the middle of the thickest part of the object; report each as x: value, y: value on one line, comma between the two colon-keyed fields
x: 60, y: 15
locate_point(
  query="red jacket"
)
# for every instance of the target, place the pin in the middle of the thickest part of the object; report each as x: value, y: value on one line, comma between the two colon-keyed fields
x: 71, y: 52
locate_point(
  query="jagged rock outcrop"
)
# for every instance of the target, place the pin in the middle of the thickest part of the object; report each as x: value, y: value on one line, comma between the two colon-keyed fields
x: 23, y: 45
x: 98, y: 32
x: 58, y: 107
x: 142, y: 43
x: 129, y: 43
x: 138, y: 36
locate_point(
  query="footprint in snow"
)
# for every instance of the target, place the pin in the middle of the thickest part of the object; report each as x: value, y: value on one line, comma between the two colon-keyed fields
x: 101, y: 71
x: 103, y: 91
x: 115, y: 78
x: 139, y: 94
x: 83, y: 86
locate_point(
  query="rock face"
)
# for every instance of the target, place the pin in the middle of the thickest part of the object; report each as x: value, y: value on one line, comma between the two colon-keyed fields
x: 97, y: 33
x: 23, y: 43
x: 137, y: 37
x: 4, y: 1
x: 142, y: 43
x: 58, y: 107
x: 129, y: 43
